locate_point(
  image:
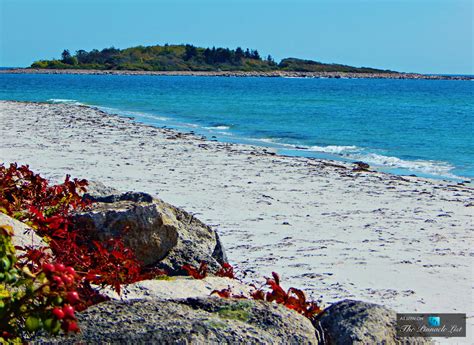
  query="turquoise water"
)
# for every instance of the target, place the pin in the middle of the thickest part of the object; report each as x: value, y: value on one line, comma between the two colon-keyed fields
x: 422, y: 127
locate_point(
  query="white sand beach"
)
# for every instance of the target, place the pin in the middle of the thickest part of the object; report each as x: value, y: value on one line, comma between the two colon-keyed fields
x: 405, y: 242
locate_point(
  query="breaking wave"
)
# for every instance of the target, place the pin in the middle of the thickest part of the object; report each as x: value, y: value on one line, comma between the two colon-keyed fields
x: 351, y: 152
x: 64, y: 101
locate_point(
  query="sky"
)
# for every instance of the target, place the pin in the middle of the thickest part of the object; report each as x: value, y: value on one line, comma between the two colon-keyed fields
x: 425, y: 36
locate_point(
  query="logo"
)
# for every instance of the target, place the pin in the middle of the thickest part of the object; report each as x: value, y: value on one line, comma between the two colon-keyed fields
x: 434, y: 321
x: 430, y: 325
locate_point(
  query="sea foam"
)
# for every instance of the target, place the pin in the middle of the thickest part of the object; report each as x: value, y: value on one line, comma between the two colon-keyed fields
x: 220, y: 127
x: 352, y: 152
x: 64, y: 101
x: 334, y: 149
x: 430, y: 167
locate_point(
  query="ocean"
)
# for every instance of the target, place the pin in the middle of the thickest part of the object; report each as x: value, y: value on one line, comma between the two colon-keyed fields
x: 421, y: 127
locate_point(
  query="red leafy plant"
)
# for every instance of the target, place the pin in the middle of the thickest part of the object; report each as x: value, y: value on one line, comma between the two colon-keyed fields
x: 227, y: 293
x: 293, y: 298
x: 43, y: 297
x: 29, y: 198
x: 226, y: 270
x: 197, y: 273
x: 48, y: 209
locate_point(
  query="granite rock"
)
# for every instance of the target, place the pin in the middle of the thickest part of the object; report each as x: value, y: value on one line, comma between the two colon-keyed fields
x: 357, y: 322
x: 191, y: 321
x: 159, y: 233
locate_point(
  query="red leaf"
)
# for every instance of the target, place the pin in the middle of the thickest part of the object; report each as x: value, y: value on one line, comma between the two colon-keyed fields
x: 276, y: 277
x: 224, y: 293
x: 258, y: 294
x: 196, y: 273
x: 226, y: 271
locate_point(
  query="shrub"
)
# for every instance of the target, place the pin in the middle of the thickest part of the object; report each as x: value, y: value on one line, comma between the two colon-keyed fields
x: 31, y: 300
x: 29, y: 198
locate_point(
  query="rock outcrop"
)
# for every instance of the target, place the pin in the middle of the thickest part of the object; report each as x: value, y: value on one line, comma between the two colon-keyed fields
x: 159, y: 233
x: 357, y: 322
x: 191, y: 321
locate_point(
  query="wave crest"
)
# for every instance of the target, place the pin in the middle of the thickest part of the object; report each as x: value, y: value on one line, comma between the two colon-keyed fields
x: 351, y: 152
x: 334, y: 149
x: 64, y: 101
x: 429, y: 167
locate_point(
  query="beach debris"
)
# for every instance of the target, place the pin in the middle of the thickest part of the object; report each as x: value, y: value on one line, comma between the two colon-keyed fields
x: 361, y: 166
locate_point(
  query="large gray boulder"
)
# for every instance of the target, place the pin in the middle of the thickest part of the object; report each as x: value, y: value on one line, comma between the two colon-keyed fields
x: 191, y: 321
x: 159, y: 233
x: 357, y: 322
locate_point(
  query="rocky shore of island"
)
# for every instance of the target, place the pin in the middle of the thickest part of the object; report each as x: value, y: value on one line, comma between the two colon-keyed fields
x: 273, y: 74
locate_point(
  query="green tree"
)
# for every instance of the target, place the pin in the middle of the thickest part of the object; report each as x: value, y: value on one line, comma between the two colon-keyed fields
x: 239, y: 54
x: 270, y: 60
x: 82, y: 56
x: 190, y: 52
x: 65, y: 56
x: 208, y: 56
x: 255, y: 55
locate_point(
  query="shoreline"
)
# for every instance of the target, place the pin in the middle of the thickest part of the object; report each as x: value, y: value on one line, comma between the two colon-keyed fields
x: 286, y: 150
x: 333, y: 231
x: 269, y: 74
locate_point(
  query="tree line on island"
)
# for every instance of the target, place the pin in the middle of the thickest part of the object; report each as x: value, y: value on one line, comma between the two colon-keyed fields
x: 188, y: 58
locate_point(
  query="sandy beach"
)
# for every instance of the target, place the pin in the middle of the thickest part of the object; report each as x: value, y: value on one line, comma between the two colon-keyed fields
x: 405, y: 242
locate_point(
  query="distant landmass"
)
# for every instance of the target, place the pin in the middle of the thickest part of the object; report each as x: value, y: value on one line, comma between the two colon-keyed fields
x: 188, y: 58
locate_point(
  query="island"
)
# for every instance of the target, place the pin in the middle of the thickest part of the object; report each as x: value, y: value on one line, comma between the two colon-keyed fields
x: 187, y: 59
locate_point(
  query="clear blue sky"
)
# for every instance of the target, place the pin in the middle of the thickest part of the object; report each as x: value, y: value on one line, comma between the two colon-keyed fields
x: 428, y: 36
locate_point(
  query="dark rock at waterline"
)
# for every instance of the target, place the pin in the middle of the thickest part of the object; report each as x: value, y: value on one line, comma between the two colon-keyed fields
x: 159, y: 233
x: 361, y: 166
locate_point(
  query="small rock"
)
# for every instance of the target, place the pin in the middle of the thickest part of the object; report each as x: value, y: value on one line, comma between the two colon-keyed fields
x: 357, y: 322
x: 361, y: 166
